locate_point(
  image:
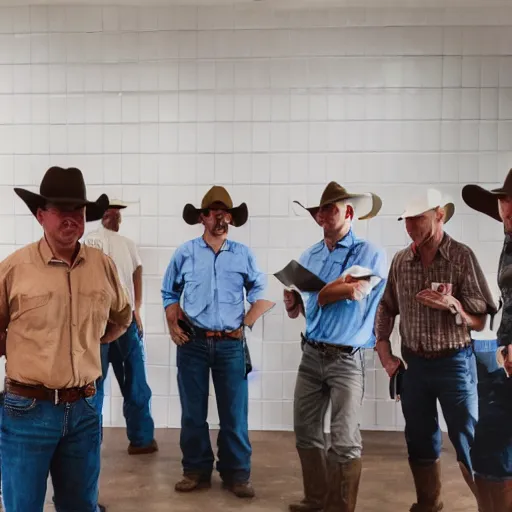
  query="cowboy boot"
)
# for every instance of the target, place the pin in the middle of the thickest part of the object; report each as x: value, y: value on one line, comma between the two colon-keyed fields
x: 427, y: 480
x: 471, y: 484
x: 343, y: 486
x: 494, y: 496
x: 314, y: 476
x: 192, y: 482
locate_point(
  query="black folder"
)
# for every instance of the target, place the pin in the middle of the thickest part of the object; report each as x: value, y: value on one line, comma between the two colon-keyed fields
x: 294, y: 275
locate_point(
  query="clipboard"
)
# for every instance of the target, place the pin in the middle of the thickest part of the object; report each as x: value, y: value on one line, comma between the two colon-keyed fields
x: 295, y: 276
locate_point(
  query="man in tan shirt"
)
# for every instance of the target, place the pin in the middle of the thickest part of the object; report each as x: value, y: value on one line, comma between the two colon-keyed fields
x: 58, y: 300
x: 440, y: 292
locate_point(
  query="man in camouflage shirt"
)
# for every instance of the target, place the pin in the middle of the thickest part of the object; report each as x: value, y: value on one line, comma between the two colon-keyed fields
x: 492, y: 450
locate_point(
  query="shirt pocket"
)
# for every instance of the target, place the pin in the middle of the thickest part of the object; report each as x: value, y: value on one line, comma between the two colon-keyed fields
x: 33, y: 309
x: 94, y: 308
x: 231, y: 286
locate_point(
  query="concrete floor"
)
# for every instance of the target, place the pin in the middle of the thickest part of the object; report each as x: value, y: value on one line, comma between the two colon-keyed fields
x: 146, y: 483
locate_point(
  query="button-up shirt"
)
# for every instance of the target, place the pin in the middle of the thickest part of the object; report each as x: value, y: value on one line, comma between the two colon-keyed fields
x: 55, y: 315
x: 424, y: 329
x: 124, y: 253
x: 212, y: 285
x: 345, y: 322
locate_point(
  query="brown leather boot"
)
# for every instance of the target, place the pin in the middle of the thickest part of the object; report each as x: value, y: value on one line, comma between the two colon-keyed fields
x: 494, y: 496
x: 142, y: 450
x: 192, y: 482
x: 314, y: 477
x: 427, y: 480
x: 343, y: 486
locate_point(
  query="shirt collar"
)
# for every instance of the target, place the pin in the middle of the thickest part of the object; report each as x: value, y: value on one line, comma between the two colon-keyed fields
x: 226, y: 246
x: 444, y: 249
x: 50, y: 259
x: 345, y: 242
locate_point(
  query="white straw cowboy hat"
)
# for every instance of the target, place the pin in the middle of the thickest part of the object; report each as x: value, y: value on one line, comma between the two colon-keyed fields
x: 334, y: 193
x: 428, y: 200
x: 117, y: 204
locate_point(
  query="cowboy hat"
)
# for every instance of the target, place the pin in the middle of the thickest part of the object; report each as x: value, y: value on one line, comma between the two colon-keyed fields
x: 334, y: 193
x: 64, y: 187
x: 486, y: 201
x: 217, y: 194
x: 428, y: 200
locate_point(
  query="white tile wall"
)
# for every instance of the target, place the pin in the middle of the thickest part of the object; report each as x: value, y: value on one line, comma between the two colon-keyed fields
x: 157, y: 104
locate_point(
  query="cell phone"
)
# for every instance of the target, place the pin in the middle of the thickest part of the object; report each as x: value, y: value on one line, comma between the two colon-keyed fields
x: 185, y: 326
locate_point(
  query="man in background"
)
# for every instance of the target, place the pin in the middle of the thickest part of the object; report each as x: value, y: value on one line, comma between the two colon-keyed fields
x: 127, y: 353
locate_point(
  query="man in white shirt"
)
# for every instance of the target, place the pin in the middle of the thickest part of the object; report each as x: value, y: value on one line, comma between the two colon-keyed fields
x: 127, y: 353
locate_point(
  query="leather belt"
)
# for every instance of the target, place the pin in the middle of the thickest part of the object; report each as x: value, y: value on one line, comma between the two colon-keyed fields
x: 57, y: 396
x: 329, y: 348
x: 438, y: 354
x: 232, y: 335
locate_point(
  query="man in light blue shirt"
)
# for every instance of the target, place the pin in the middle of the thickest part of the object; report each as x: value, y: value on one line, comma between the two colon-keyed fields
x: 203, y: 296
x: 339, y: 323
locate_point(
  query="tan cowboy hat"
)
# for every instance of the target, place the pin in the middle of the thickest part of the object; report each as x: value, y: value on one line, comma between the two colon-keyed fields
x: 486, y: 201
x: 64, y: 187
x: 428, y: 200
x: 217, y: 194
x: 334, y: 193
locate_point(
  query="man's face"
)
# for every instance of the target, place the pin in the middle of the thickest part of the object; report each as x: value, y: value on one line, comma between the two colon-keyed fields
x: 63, y: 224
x: 422, y: 227
x: 505, y: 207
x: 112, y: 219
x: 332, y: 217
x: 216, y: 220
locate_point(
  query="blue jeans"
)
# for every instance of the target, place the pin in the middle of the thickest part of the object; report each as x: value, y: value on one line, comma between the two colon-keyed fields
x: 226, y: 360
x: 39, y: 438
x: 127, y: 357
x: 453, y: 381
x: 492, y: 449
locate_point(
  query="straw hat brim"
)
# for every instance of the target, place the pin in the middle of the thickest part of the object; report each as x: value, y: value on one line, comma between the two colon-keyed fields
x: 449, y: 210
x: 375, y: 209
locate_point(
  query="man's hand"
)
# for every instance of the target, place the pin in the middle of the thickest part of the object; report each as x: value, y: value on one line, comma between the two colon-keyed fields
x: 292, y: 303
x: 138, y: 321
x: 178, y: 335
x: 436, y: 300
x: 112, y: 333
x: 389, y: 362
x: 504, y: 358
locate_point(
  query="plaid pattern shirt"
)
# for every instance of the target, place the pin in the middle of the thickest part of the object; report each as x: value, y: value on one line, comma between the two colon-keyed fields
x: 423, y: 329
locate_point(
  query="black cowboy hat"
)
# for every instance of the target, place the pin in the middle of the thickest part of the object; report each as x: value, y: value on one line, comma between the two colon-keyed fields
x: 217, y: 194
x: 486, y: 201
x: 65, y: 187
x: 334, y: 193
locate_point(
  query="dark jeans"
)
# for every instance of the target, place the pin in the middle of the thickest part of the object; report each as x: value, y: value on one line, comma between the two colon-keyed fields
x: 226, y: 360
x: 39, y: 438
x: 127, y: 357
x: 453, y: 381
x: 492, y: 449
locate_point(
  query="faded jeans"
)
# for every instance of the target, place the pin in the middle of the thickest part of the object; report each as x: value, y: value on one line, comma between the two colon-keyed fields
x: 338, y: 379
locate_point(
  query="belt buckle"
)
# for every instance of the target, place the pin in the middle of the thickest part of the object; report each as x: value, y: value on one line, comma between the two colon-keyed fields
x: 56, y: 397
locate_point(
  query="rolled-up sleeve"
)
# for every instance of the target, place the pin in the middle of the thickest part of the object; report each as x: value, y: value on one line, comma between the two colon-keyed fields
x: 256, y: 280
x: 474, y: 292
x: 120, y: 308
x: 172, y: 285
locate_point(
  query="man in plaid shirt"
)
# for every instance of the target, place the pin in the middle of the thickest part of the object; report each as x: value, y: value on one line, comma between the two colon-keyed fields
x: 438, y: 288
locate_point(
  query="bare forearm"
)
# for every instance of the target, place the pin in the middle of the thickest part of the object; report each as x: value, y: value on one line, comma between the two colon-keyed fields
x: 384, y: 323
x: 334, y: 292
x: 113, y: 332
x: 474, y: 322
x: 172, y: 313
x: 137, y: 286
